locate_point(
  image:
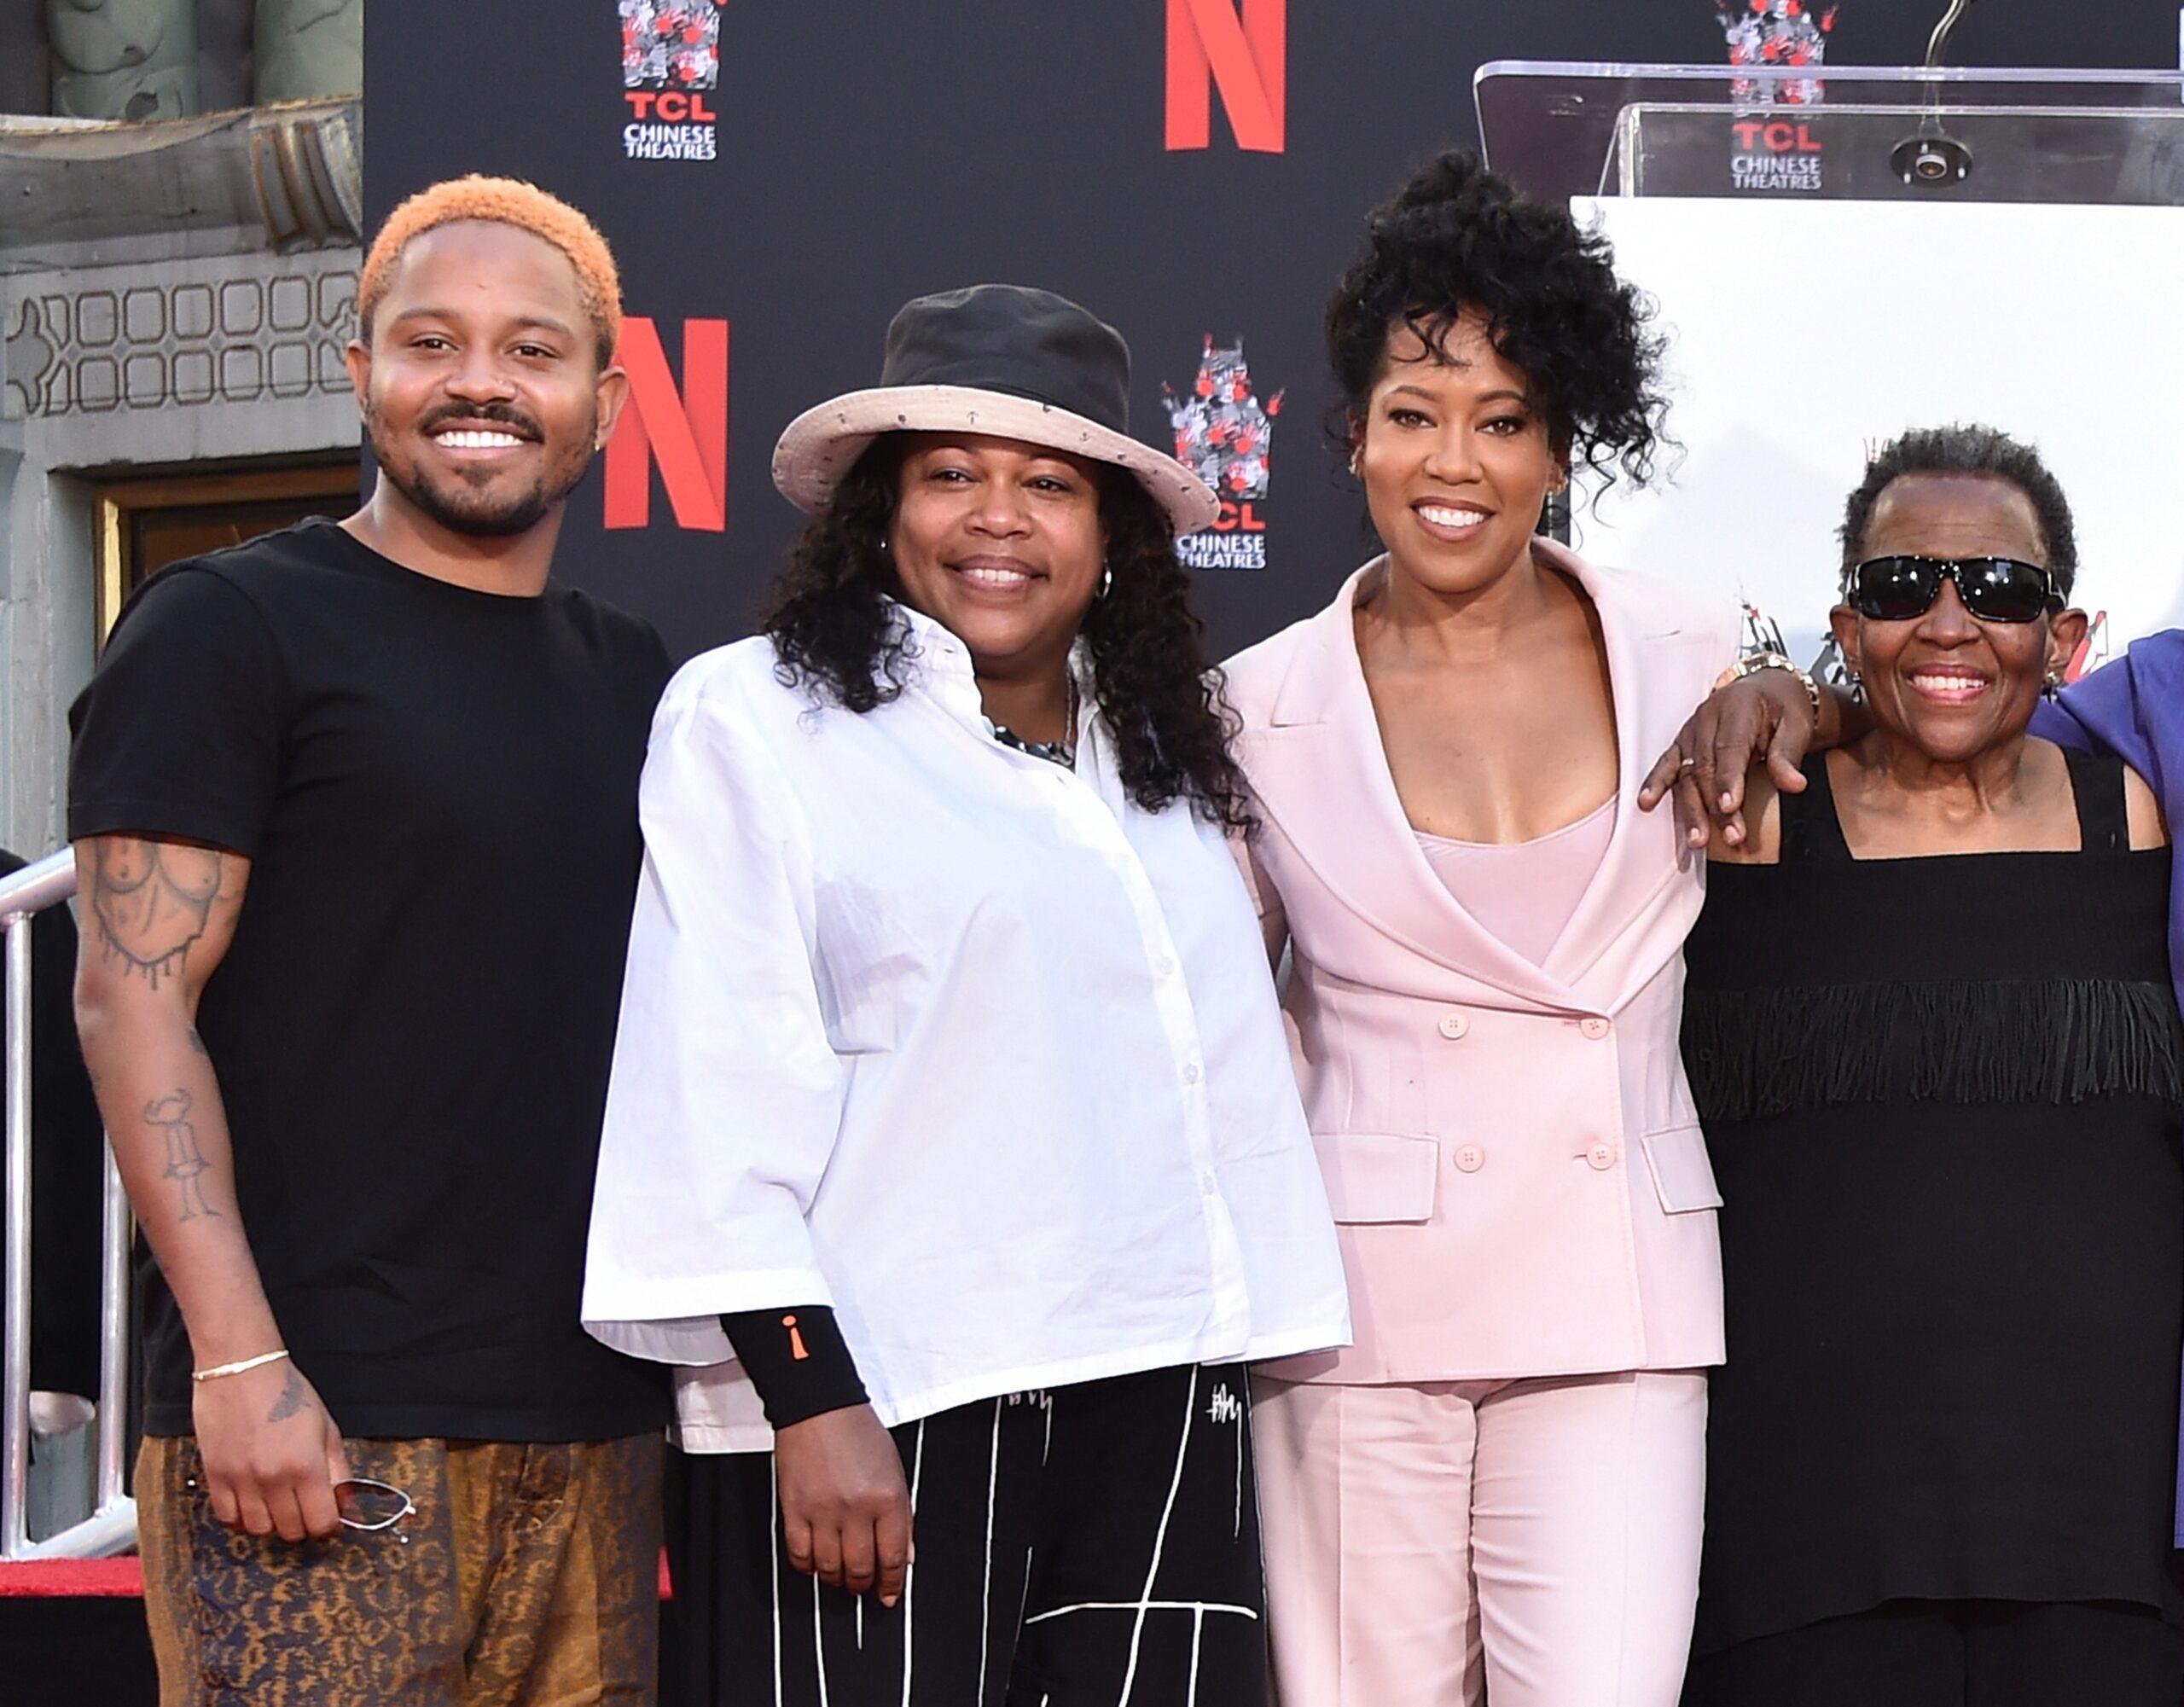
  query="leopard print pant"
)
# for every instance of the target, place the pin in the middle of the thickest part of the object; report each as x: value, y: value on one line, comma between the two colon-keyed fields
x: 527, y: 1576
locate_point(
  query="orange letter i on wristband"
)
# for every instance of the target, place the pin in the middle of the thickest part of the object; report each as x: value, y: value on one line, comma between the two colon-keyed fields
x: 796, y: 1348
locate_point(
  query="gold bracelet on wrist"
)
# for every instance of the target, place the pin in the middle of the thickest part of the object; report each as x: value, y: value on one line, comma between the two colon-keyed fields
x: 247, y: 1363
x: 1753, y: 663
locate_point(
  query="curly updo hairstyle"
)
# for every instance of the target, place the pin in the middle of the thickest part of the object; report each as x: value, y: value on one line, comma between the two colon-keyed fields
x: 835, y: 633
x: 1457, y: 236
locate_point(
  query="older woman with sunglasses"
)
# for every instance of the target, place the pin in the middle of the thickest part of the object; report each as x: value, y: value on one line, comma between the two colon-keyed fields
x: 1929, y: 1027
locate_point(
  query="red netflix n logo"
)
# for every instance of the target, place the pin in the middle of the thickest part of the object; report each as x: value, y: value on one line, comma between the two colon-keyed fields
x: 685, y: 428
x: 1210, y: 45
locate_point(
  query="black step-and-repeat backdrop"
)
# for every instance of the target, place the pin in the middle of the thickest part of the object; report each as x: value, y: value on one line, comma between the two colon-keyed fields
x: 777, y: 176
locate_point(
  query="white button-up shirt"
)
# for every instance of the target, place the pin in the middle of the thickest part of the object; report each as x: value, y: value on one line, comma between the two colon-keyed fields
x: 967, y: 1046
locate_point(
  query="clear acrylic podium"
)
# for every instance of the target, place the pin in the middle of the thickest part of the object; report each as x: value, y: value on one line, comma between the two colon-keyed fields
x: 1843, y: 132
x: 1839, y: 253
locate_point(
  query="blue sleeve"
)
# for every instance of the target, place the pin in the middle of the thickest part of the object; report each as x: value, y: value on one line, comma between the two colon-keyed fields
x: 2052, y: 720
x: 2104, y: 711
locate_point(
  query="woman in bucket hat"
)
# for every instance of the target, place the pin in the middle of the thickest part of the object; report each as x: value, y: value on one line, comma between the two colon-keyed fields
x: 951, y: 1146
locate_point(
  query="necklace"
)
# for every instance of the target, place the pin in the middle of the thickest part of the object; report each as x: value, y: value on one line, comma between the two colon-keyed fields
x: 1062, y: 753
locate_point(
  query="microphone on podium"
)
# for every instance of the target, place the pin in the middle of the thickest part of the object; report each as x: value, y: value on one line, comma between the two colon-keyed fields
x: 1930, y: 158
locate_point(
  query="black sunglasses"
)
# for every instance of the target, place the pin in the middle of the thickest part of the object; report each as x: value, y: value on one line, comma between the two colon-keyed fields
x: 1995, y: 590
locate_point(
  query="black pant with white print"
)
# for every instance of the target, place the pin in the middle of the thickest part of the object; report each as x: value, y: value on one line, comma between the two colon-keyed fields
x: 1091, y: 1546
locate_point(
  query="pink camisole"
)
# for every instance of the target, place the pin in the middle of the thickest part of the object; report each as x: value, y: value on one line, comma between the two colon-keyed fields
x: 1524, y: 892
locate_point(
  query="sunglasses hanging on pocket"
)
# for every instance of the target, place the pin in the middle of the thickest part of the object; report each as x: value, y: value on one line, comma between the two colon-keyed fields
x: 362, y: 1503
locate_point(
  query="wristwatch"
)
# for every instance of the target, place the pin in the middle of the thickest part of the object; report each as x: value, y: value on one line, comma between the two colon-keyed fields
x: 1753, y: 662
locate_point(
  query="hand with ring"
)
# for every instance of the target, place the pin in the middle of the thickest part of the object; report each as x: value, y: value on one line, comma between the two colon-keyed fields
x: 1764, y: 717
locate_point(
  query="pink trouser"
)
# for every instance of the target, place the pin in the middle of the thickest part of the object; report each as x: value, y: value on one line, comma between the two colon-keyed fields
x: 1534, y: 1543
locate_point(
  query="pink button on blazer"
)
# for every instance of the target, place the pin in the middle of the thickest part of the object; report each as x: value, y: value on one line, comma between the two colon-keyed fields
x: 1510, y: 1149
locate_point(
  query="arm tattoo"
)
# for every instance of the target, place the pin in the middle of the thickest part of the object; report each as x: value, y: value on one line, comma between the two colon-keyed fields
x: 295, y: 1397
x: 153, y: 900
x: 185, y: 1161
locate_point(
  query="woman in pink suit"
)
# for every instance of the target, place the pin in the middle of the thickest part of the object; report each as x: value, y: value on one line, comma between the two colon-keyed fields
x: 1496, y: 1490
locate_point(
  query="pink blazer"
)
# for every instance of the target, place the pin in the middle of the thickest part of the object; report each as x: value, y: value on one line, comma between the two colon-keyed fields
x: 1513, y: 1157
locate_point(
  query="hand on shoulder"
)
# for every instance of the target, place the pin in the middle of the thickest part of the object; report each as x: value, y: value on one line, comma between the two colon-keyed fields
x: 1758, y: 724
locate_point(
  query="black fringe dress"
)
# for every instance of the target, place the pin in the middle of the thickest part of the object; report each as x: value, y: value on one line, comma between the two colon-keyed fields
x: 1943, y: 1100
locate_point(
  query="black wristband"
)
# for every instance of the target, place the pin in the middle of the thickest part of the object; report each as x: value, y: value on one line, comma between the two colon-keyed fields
x: 798, y: 1360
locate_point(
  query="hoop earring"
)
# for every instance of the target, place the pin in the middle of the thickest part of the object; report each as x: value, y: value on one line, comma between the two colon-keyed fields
x: 1106, y: 580
x: 1354, y: 455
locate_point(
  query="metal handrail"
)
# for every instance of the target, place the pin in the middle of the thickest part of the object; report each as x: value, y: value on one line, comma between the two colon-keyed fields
x: 112, y: 1526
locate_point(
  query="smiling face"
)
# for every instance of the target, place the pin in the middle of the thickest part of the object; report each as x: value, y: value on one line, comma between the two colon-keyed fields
x: 481, y: 386
x: 1000, y: 541
x: 1456, y: 460
x: 1946, y: 682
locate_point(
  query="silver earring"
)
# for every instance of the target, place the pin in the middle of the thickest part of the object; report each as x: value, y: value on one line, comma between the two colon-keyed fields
x: 2053, y: 690
x: 1856, y: 683
x: 1353, y: 456
x: 1106, y: 580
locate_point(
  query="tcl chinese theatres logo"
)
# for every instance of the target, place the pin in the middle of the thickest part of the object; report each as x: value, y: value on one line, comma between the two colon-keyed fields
x: 1225, y: 436
x: 670, y: 67
x: 1774, y: 145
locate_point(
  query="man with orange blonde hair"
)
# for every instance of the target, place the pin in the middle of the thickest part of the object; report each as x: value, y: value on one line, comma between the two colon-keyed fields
x: 501, y: 201
x: 354, y: 809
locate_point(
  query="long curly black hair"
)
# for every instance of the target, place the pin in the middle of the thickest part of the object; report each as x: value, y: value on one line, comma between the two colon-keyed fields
x: 835, y: 632
x: 1457, y: 236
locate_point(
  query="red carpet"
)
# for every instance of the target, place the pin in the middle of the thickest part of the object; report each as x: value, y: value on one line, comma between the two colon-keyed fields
x: 71, y: 1635
x: 74, y: 1627
x: 97, y: 1578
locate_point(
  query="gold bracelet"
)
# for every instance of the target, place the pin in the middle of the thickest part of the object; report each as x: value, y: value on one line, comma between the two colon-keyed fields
x: 220, y: 1369
x: 1753, y: 663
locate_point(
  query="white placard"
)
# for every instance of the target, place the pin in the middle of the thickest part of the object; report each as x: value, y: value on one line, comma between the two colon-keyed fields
x: 1805, y: 334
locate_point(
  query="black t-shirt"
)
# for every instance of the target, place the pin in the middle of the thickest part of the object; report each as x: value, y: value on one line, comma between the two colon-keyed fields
x: 437, y: 788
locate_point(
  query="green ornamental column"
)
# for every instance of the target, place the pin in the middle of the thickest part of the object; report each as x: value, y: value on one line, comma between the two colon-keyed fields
x: 309, y: 50
x: 123, y: 58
